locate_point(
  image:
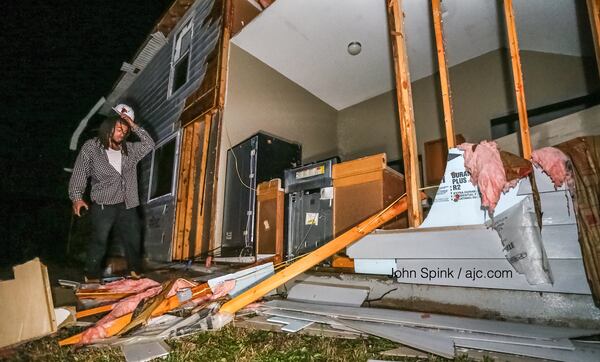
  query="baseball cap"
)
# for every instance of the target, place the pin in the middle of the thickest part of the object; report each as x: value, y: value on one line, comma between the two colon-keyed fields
x: 125, y: 109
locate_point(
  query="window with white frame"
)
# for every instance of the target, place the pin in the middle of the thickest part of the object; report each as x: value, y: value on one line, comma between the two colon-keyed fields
x: 180, y: 61
x: 162, y: 174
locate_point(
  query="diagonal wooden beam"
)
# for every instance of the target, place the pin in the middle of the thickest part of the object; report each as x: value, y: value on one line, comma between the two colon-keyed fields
x: 443, y: 69
x: 406, y: 112
x: 594, y: 13
x: 314, y: 257
x: 515, y: 58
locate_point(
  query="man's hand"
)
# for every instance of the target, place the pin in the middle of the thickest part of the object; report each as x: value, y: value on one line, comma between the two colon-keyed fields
x: 77, y: 205
x: 127, y: 119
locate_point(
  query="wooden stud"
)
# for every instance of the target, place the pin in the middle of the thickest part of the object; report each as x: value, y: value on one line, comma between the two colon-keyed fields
x: 515, y: 58
x: 594, y: 14
x: 218, y: 112
x: 316, y: 256
x: 444, y: 76
x: 406, y: 112
x: 93, y: 311
x: 191, y: 185
x: 184, y: 158
x: 201, y: 186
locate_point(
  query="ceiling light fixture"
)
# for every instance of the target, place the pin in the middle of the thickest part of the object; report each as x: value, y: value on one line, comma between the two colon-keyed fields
x: 354, y: 48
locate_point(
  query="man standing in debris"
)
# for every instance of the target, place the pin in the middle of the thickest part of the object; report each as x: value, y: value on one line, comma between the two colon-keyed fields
x: 111, y: 163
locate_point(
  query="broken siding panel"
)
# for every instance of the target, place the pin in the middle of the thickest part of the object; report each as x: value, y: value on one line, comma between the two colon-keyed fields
x: 159, y: 112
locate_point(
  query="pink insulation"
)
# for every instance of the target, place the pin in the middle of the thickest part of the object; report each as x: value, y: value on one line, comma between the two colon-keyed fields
x: 487, y: 172
x: 178, y: 285
x: 129, y: 285
x: 555, y: 163
x: 123, y: 307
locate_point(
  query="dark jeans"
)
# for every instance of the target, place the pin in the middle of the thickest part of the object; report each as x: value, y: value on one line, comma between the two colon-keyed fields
x: 126, y: 224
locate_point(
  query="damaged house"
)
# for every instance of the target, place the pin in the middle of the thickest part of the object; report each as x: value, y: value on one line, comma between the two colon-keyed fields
x: 372, y: 97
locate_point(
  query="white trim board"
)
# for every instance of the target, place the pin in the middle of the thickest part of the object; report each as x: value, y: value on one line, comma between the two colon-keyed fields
x: 470, y: 242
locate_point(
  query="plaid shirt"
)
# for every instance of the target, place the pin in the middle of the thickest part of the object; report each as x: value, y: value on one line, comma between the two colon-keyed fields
x: 109, y: 187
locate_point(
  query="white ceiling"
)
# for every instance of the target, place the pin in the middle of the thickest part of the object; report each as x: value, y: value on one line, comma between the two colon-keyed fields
x: 306, y: 40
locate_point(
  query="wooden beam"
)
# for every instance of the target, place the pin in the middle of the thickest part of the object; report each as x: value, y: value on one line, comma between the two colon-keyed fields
x: 201, y: 186
x: 444, y: 76
x: 316, y: 256
x: 190, y: 192
x: 218, y: 114
x: 594, y: 13
x: 515, y: 58
x: 406, y: 112
x: 180, y: 206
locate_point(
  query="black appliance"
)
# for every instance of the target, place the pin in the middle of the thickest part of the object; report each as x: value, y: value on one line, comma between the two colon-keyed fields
x: 260, y: 158
x: 309, y: 192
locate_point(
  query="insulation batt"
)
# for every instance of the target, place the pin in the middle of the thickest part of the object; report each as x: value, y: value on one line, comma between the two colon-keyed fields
x: 487, y: 172
x: 129, y: 304
x: 129, y: 285
x: 125, y: 306
x: 556, y: 164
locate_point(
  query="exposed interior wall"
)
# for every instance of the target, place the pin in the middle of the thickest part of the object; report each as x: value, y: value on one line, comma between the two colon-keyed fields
x: 259, y: 98
x: 481, y: 90
x: 582, y: 123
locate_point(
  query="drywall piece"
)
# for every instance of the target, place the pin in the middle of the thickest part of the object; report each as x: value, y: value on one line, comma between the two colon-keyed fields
x: 374, y: 266
x: 290, y: 325
x: 557, y: 208
x: 305, y: 317
x: 437, y: 321
x: 141, y: 352
x: 328, y: 294
x: 27, y: 309
x: 419, y: 339
x: 543, y: 182
x: 560, y: 343
x: 580, y: 354
x: 244, y: 279
x: 405, y: 352
x: 260, y: 322
x: 460, y: 242
x: 569, y: 274
x: 64, y: 316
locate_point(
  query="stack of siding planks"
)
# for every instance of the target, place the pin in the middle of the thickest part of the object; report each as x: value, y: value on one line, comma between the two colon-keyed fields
x: 472, y: 255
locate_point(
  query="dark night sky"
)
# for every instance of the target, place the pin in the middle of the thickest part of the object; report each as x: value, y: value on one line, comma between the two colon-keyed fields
x: 58, y: 59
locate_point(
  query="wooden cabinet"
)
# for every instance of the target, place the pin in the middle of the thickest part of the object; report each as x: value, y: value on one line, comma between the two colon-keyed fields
x: 362, y: 188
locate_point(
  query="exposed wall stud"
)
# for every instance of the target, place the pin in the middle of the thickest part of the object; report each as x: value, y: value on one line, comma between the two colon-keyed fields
x: 444, y: 76
x: 405, y: 110
x: 515, y: 58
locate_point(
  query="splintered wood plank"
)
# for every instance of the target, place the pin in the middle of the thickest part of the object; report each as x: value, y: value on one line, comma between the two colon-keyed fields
x: 594, y: 13
x: 191, y: 184
x: 406, y: 112
x: 184, y: 175
x: 444, y: 77
x: 515, y: 58
x: 204, y: 136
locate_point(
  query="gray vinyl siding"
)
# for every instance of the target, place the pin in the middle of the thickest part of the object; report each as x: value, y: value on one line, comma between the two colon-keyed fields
x: 159, y: 113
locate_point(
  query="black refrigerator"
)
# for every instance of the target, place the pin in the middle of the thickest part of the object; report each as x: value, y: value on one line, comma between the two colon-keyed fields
x: 260, y: 158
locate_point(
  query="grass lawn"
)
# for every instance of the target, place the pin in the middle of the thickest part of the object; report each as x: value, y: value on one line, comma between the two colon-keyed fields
x: 229, y: 344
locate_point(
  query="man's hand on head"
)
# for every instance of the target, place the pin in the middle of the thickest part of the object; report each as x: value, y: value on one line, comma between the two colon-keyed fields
x: 128, y: 119
x: 78, y: 205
